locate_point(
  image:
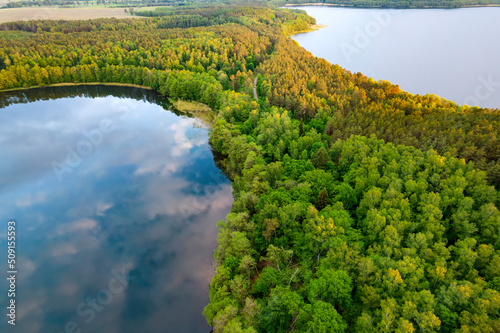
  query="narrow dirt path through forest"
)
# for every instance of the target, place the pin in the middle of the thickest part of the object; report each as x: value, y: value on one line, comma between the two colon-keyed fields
x: 255, y: 89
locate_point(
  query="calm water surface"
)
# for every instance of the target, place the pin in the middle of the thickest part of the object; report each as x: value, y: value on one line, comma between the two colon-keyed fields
x: 116, y: 200
x: 451, y: 53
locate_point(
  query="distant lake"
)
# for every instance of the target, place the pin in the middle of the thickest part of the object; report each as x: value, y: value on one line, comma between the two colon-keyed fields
x: 116, y: 200
x: 453, y: 53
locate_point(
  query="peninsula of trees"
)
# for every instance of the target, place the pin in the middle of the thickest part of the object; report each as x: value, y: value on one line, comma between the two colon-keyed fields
x: 358, y: 207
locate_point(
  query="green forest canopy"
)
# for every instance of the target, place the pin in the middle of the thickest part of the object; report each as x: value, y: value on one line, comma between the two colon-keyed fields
x: 358, y: 207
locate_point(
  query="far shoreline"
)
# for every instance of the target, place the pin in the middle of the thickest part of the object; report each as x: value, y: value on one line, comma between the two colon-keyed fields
x: 320, y: 4
x: 68, y: 84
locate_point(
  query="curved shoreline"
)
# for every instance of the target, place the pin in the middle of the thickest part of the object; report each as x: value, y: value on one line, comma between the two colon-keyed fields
x: 320, y: 4
x: 195, y: 109
x: 70, y: 84
x: 312, y: 27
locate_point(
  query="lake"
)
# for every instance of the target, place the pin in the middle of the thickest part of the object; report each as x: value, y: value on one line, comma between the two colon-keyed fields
x: 116, y: 200
x: 452, y: 53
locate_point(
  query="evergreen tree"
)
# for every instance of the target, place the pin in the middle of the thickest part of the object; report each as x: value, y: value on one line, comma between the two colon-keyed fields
x: 322, y: 200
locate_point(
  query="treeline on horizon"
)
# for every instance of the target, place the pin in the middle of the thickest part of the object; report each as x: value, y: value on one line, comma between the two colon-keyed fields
x: 128, y: 4
x: 358, y: 207
x: 401, y: 4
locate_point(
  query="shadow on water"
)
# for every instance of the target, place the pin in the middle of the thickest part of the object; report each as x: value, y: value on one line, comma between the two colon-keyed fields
x: 88, y: 91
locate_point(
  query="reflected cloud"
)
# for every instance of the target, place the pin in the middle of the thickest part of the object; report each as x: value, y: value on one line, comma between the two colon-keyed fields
x: 84, y: 224
x: 63, y: 250
x: 102, y: 208
x: 145, y: 202
x: 30, y: 199
x: 31, y: 313
x: 183, y: 142
x: 26, y: 268
x: 68, y: 288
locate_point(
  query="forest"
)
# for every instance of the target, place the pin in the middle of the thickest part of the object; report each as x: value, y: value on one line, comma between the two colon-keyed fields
x: 358, y: 207
x: 273, y: 3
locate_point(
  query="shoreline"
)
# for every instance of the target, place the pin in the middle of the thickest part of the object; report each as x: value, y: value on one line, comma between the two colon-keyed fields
x: 68, y: 84
x: 320, y: 4
x: 197, y: 110
x: 312, y: 27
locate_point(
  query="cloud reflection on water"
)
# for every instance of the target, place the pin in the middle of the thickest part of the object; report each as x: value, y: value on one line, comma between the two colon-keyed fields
x: 146, y: 200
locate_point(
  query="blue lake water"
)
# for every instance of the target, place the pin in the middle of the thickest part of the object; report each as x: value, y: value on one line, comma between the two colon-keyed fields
x: 453, y: 53
x: 116, y: 201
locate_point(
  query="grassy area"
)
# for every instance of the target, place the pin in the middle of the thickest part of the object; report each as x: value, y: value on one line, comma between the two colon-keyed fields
x: 148, y: 8
x: 55, y: 13
x: 313, y: 27
x: 199, y: 110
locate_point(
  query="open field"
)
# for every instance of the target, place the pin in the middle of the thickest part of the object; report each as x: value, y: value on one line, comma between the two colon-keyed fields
x: 55, y: 13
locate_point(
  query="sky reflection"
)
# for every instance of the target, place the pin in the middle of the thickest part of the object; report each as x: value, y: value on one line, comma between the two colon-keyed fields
x: 143, y: 203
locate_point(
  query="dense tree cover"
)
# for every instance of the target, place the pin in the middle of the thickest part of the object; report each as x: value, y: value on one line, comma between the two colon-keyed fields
x: 355, y: 235
x: 358, y: 207
x: 127, y: 51
x: 340, y: 104
x: 289, y: 21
